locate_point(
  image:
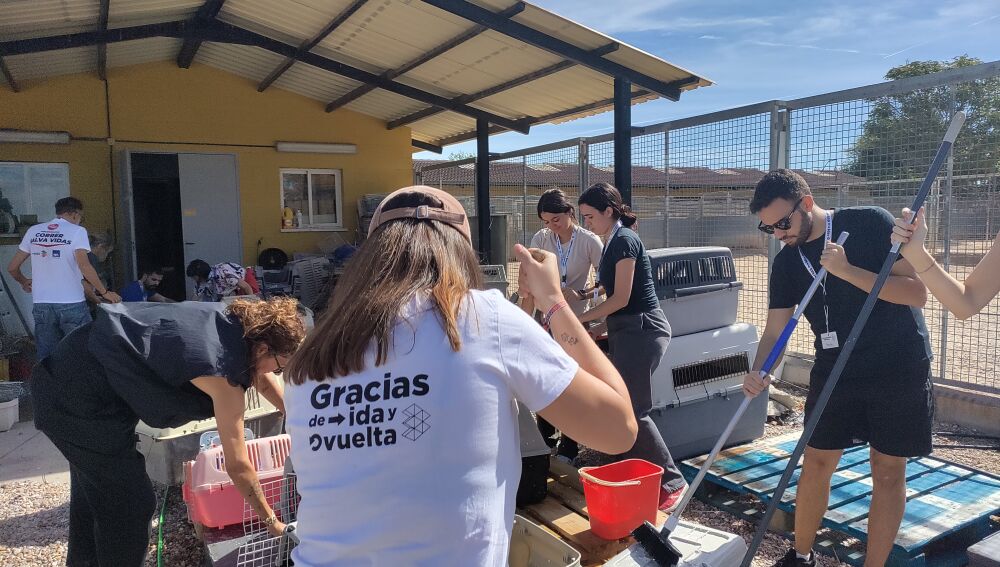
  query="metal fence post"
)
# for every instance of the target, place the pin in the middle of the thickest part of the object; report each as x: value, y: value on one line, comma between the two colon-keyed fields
x: 778, y: 158
x: 666, y: 187
x: 524, y: 200
x: 583, y: 153
x: 946, y: 260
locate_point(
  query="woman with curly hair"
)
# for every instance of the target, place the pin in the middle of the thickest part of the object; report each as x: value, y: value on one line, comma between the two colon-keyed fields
x: 165, y: 364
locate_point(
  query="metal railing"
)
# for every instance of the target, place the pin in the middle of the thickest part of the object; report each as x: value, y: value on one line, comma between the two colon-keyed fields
x: 692, y: 180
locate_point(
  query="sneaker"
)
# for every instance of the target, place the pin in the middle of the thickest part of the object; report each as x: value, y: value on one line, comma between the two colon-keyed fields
x: 791, y: 559
x: 670, y: 500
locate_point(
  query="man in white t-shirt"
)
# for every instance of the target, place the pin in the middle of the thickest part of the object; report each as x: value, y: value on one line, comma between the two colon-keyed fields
x: 59, y: 264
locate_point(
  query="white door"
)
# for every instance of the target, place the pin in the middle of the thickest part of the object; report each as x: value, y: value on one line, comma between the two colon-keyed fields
x: 210, y: 209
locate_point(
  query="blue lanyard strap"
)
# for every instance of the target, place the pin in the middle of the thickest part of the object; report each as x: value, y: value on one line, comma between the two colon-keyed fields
x: 564, y: 258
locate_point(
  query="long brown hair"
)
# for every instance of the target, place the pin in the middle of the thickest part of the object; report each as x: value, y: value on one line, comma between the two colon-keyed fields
x: 401, y: 258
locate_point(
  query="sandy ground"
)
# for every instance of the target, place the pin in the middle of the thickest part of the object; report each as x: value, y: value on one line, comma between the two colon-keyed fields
x: 34, y: 515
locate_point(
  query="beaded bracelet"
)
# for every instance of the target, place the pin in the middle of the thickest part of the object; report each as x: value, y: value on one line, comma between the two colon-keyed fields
x: 547, y: 318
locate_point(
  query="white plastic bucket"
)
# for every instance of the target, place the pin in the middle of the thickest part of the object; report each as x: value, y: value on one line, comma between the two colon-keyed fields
x: 8, y: 414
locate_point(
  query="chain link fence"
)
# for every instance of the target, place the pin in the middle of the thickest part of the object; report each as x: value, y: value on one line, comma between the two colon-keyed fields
x: 692, y: 180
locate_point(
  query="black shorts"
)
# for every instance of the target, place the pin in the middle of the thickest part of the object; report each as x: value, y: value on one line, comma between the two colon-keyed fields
x: 890, y: 409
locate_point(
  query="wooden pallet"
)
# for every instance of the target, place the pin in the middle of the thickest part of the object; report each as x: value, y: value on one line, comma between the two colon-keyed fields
x: 563, y: 513
x: 948, y: 505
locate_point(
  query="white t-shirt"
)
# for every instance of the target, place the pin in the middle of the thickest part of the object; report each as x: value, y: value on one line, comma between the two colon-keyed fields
x: 417, y: 462
x: 585, y: 253
x: 55, y: 275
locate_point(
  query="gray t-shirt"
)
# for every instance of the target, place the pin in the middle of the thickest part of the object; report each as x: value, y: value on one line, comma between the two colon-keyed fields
x: 584, y: 255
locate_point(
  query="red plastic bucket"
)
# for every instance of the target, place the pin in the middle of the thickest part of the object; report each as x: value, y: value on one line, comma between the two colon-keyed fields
x: 621, y: 496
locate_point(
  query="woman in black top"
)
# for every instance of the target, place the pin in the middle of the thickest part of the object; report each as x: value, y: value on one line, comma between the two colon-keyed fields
x: 638, y: 332
x: 165, y: 364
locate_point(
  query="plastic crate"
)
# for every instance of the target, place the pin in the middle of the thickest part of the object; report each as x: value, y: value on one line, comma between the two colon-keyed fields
x: 167, y: 449
x: 697, y: 287
x: 699, y: 546
x: 495, y: 277
x: 533, y: 485
x: 212, y: 499
x: 531, y: 546
x: 698, y: 386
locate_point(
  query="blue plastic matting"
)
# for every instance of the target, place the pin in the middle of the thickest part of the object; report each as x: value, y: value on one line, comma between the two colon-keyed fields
x: 943, y: 500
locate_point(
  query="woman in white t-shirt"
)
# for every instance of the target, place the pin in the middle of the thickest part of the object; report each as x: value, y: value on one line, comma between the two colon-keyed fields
x: 405, y: 443
x: 578, y: 251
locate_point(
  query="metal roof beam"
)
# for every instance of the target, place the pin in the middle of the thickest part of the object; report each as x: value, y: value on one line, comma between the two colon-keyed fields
x: 555, y: 45
x: 228, y: 33
x: 207, y: 13
x: 523, y: 79
x: 426, y: 147
x: 6, y: 75
x: 181, y: 29
x: 543, y: 119
x: 102, y: 49
x: 308, y: 45
x: 423, y: 58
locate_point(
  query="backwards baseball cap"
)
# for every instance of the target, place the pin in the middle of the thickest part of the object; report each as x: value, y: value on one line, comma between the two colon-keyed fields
x: 451, y: 212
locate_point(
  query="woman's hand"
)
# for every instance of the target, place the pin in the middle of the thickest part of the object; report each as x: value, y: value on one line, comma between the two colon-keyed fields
x: 538, y: 275
x: 911, y: 237
x: 276, y: 529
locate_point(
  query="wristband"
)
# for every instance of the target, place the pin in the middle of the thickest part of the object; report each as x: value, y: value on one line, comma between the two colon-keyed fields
x: 547, y: 318
x: 99, y: 294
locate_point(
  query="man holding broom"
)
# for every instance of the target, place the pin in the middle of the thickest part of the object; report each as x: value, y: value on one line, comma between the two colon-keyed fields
x: 884, y: 397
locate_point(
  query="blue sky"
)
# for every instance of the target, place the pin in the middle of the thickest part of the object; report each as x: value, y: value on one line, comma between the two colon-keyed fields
x: 761, y: 50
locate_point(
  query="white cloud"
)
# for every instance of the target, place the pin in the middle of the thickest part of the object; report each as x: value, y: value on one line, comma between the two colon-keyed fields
x: 709, y: 37
x: 802, y: 46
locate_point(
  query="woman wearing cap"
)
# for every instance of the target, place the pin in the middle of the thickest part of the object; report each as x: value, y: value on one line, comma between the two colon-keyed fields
x: 401, y: 405
x: 166, y: 364
x: 638, y: 332
x: 577, y: 250
x: 963, y: 299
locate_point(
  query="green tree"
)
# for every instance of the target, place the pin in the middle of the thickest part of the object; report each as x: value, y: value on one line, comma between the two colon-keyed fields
x: 456, y: 156
x: 902, y: 131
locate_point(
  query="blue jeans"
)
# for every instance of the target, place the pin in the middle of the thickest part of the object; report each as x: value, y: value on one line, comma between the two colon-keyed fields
x: 53, y: 321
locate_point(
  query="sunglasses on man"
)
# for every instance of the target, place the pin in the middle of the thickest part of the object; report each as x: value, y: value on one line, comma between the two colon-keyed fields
x: 783, y: 224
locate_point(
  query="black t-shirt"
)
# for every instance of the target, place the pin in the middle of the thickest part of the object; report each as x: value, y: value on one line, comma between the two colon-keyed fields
x: 150, y: 352
x: 626, y: 244
x: 893, y: 332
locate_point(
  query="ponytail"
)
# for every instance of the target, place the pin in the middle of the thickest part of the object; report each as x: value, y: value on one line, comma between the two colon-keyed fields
x: 627, y: 217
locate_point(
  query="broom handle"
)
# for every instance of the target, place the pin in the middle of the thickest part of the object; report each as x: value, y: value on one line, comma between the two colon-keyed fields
x: 769, y: 362
x: 859, y: 324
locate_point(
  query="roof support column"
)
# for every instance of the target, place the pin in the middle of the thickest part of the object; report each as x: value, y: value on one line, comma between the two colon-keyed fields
x: 483, y: 189
x: 623, y: 138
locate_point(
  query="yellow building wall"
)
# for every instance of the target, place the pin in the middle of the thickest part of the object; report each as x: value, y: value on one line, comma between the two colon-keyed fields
x: 159, y: 107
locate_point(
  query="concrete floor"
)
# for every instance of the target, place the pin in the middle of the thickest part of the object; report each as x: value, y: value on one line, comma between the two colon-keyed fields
x: 27, y: 455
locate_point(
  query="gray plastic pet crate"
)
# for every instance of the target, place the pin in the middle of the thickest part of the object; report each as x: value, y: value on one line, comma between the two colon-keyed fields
x: 699, y: 385
x: 533, y: 485
x: 696, y: 286
x: 167, y: 449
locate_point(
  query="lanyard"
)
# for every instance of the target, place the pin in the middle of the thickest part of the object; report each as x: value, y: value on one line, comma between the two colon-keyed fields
x: 618, y: 226
x: 828, y: 235
x: 564, y: 258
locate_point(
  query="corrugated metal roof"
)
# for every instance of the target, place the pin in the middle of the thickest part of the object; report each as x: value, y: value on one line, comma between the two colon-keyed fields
x: 379, y: 36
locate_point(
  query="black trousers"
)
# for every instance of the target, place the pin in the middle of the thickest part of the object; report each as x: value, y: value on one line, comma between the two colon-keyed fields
x: 111, y: 504
x: 111, y: 497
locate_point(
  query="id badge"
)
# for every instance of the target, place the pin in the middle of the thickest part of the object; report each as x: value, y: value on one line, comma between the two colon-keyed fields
x: 829, y: 340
